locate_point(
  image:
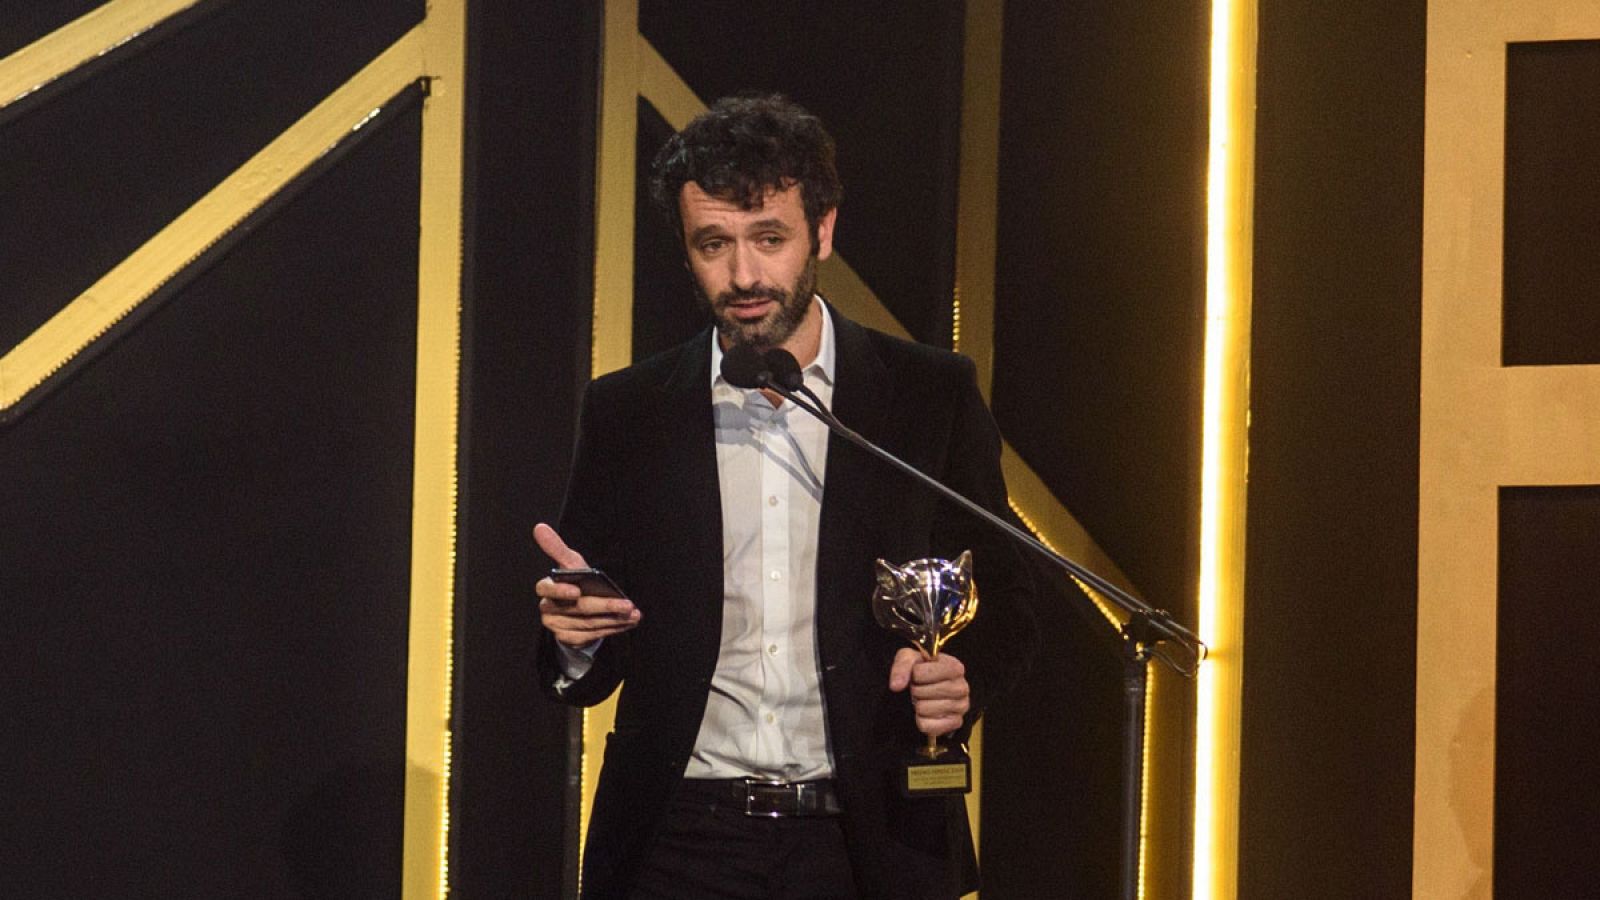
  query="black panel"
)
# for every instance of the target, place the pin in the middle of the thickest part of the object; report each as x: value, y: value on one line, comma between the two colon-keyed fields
x: 886, y: 83
x: 1552, y: 211
x: 206, y: 571
x: 25, y: 22
x: 1052, y: 776
x: 1547, y: 737
x: 528, y: 259
x: 89, y: 176
x: 1330, y: 580
x: 1099, y: 287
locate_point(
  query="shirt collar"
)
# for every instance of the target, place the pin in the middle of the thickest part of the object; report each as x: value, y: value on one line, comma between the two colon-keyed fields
x: 822, y: 366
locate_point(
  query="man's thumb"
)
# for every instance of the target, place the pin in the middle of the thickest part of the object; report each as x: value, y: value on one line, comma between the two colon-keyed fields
x: 554, y: 547
x: 900, y: 669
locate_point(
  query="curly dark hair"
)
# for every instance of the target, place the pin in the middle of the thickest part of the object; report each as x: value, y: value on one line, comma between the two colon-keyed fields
x: 744, y: 146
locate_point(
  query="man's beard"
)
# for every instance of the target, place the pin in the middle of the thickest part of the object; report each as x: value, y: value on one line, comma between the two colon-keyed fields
x: 776, y: 327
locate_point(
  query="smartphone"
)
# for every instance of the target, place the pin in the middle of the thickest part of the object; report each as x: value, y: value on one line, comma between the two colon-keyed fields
x: 590, y: 582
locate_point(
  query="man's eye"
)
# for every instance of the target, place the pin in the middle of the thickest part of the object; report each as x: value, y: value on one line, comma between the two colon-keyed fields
x: 772, y: 240
x: 712, y: 246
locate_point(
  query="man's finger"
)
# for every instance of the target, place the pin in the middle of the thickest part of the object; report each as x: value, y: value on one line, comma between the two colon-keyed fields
x: 587, y: 613
x: 940, y: 690
x: 591, y: 627
x: 943, y: 668
x: 938, y: 727
x: 900, y: 672
x: 554, y: 547
x: 615, y: 607
x: 580, y: 639
x: 551, y: 589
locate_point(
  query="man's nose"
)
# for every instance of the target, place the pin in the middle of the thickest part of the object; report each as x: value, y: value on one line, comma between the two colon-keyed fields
x: 746, y: 272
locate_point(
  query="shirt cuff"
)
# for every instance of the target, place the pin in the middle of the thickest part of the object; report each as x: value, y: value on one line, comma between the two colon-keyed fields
x: 575, y: 662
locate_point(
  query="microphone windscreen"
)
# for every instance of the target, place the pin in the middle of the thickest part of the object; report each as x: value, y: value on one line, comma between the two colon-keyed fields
x: 743, y: 367
x: 785, y: 369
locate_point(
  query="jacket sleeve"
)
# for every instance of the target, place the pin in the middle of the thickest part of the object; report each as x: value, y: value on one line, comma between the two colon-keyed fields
x: 999, y: 644
x: 585, y: 525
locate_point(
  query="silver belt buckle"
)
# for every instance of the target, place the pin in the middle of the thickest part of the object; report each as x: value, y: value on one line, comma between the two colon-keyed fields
x: 758, y: 803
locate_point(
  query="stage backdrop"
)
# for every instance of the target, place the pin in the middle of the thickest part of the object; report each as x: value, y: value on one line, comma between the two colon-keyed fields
x: 299, y: 298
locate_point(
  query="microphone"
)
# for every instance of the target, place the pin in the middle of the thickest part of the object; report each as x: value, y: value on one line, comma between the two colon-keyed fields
x: 784, y: 369
x: 743, y: 366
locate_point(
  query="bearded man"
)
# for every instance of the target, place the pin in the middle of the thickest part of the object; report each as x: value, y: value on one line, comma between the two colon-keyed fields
x: 763, y: 714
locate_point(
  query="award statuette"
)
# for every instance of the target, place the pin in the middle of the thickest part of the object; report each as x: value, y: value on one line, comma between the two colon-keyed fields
x: 926, y: 601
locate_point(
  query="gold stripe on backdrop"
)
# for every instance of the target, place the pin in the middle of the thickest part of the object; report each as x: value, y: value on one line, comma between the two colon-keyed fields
x: 972, y: 306
x: 978, y: 188
x: 614, y: 187
x: 132, y: 281
x: 1483, y: 426
x: 1225, y: 432
x: 443, y: 43
x: 612, y: 346
x: 92, y: 35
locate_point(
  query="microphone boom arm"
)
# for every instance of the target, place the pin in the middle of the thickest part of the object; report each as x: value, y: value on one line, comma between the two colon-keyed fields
x: 1146, y: 626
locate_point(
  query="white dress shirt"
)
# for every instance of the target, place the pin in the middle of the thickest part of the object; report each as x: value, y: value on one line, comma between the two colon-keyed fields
x: 764, y: 714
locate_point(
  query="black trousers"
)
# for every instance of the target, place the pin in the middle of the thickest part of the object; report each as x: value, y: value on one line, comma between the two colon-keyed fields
x: 708, y: 850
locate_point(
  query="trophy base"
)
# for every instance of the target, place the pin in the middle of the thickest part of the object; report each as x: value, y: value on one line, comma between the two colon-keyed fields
x: 948, y: 774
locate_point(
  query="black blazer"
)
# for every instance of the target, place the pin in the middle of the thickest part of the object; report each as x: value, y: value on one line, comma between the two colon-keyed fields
x: 643, y: 504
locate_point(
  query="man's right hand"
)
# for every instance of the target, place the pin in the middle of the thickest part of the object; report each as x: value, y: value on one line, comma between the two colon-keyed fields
x: 576, y: 620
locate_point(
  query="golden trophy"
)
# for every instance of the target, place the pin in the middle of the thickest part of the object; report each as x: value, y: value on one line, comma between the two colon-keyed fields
x: 927, y: 601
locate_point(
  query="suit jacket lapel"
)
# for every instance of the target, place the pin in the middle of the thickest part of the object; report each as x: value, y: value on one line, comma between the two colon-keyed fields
x: 689, y: 472
x: 852, y: 486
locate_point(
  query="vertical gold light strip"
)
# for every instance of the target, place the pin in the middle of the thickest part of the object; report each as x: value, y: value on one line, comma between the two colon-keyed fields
x: 1152, y: 696
x: 612, y: 348
x: 977, y: 193
x: 614, y: 187
x: 433, y: 516
x: 1229, y: 230
x: 977, y: 216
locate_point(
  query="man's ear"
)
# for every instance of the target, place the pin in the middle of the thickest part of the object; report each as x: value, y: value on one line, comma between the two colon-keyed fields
x: 825, y: 233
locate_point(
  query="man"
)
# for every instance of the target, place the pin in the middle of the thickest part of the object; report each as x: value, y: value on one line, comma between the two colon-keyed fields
x: 745, y: 540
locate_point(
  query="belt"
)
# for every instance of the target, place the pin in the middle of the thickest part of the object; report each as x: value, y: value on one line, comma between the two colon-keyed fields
x: 757, y: 797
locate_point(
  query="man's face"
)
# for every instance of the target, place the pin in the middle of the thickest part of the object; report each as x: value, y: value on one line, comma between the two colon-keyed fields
x: 754, y: 269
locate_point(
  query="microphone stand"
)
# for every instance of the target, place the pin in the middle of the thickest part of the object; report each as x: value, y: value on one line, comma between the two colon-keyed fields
x: 1138, y: 640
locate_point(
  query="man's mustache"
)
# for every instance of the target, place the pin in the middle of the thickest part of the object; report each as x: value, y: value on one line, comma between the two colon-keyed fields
x: 777, y: 295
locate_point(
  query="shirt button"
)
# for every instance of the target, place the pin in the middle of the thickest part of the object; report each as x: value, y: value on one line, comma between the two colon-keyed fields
x: 771, y: 718
x: 772, y: 501
x: 772, y: 649
x: 776, y: 575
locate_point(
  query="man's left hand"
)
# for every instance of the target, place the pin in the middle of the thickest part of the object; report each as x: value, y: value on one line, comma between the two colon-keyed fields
x: 939, y: 691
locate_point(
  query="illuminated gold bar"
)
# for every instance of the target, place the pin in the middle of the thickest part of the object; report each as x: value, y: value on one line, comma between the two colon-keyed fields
x: 434, y: 499
x: 972, y: 307
x: 612, y: 346
x: 614, y: 187
x: 1220, y: 606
